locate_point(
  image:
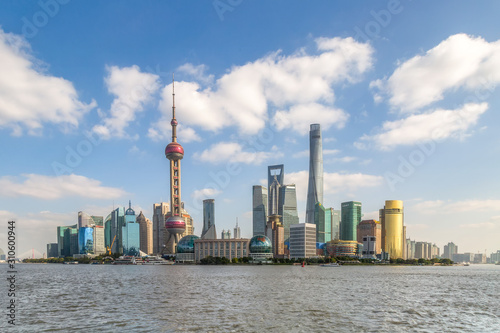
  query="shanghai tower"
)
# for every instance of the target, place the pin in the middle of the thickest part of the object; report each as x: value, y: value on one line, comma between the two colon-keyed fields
x: 315, y: 187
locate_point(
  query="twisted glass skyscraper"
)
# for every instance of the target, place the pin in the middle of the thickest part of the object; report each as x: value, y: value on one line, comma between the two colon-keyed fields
x: 315, y: 187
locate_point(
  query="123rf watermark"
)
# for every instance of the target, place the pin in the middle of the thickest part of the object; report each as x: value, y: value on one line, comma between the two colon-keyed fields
x: 11, y: 273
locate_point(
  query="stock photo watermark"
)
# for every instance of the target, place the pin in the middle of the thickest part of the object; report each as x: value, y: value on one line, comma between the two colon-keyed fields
x: 11, y: 273
x: 223, y: 6
x: 48, y: 9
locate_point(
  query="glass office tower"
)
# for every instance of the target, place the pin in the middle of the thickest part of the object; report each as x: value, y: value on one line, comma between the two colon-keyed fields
x: 259, y: 199
x: 288, y: 208
x: 350, y: 217
x: 131, y: 237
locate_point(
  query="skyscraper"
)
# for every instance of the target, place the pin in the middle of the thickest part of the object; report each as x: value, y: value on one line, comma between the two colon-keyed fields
x: 315, y: 187
x: 449, y: 250
x: 275, y: 179
x: 335, y: 224
x: 174, y: 152
x: 323, y: 221
x: 160, y: 234
x: 259, y: 199
x: 287, y: 208
x: 237, y: 231
x: 373, y: 230
x: 146, y: 233
x: 208, y: 215
x: 67, y: 240
x: 350, y: 218
x: 131, y: 238
x: 393, y: 238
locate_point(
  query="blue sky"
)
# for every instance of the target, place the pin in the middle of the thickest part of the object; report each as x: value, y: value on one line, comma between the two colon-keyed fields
x: 406, y: 93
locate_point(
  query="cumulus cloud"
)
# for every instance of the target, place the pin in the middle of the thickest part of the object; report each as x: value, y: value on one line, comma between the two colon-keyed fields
x: 298, y: 117
x: 50, y: 188
x: 231, y: 151
x: 29, y: 96
x: 133, y: 89
x: 460, y: 61
x: 333, y: 182
x: 205, y: 193
x: 435, y: 125
x: 291, y: 84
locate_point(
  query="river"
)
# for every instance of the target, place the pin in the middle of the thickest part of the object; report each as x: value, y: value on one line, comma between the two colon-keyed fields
x: 102, y: 298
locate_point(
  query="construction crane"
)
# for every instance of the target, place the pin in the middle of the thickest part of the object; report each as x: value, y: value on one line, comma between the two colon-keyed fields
x: 108, y: 249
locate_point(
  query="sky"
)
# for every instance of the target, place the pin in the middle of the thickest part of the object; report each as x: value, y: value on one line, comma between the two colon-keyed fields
x: 405, y: 92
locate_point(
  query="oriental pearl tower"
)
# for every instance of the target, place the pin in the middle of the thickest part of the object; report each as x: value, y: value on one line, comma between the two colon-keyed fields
x: 174, y: 224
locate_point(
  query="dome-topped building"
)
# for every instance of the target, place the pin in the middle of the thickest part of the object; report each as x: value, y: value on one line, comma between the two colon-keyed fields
x: 261, y: 248
x: 260, y: 244
x: 129, y: 211
x: 185, y: 249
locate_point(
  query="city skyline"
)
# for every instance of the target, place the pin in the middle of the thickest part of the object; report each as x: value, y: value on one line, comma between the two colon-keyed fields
x: 86, y: 111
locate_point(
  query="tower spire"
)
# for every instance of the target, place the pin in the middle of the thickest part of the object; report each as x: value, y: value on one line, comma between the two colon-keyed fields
x: 174, y: 121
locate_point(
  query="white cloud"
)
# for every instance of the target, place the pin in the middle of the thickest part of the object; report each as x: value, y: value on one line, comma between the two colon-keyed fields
x: 196, y: 72
x: 461, y: 61
x: 291, y: 84
x: 133, y: 89
x: 345, y: 159
x: 49, y: 188
x: 436, y: 125
x: 333, y: 182
x: 298, y: 117
x: 30, y: 97
x: 205, y: 193
x: 232, y: 151
x: 440, y: 206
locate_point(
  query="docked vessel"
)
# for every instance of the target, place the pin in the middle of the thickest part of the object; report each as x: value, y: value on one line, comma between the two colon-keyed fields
x: 125, y: 260
x: 71, y: 262
x: 156, y: 261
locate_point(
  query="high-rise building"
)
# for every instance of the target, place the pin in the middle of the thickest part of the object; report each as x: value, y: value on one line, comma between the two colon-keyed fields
x: 131, y: 238
x: 67, y: 240
x: 86, y: 240
x: 52, y: 250
x: 175, y: 224
x: 146, y: 233
x: 302, y: 240
x: 373, y: 230
x: 113, y: 230
x: 259, y: 198
x: 208, y: 215
x: 85, y: 220
x: 335, y: 224
x: 410, y: 249
x: 323, y: 222
x: 350, y: 218
x: 287, y: 208
x: 315, y: 186
x: 275, y: 179
x: 392, y: 228
x: 160, y: 234
x: 237, y: 231
x: 99, y: 245
x: 449, y: 250
x: 225, y: 234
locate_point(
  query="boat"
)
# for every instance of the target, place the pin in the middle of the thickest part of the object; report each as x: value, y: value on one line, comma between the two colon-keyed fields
x: 71, y: 262
x: 156, y: 261
x: 125, y: 260
x: 466, y: 264
x: 330, y: 265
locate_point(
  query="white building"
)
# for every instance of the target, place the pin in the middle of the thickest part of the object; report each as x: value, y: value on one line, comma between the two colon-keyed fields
x: 302, y: 240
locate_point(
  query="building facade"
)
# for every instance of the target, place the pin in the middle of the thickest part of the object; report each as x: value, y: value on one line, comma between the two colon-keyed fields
x: 275, y: 179
x: 130, y: 232
x: 208, y: 215
x: 393, y: 237
x: 146, y: 233
x: 373, y: 230
x: 343, y: 248
x: 350, y: 218
x: 160, y: 235
x: 302, y: 240
x: 67, y: 241
x: 52, y: 250
x: 449, y: 250
x: 323, y: 222
x: 315, y: 185
x: 287, y: 208
x: 259, y: 218
x: 228, y: 248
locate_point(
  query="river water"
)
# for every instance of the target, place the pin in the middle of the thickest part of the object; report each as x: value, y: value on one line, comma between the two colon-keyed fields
x: 102, y: 298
